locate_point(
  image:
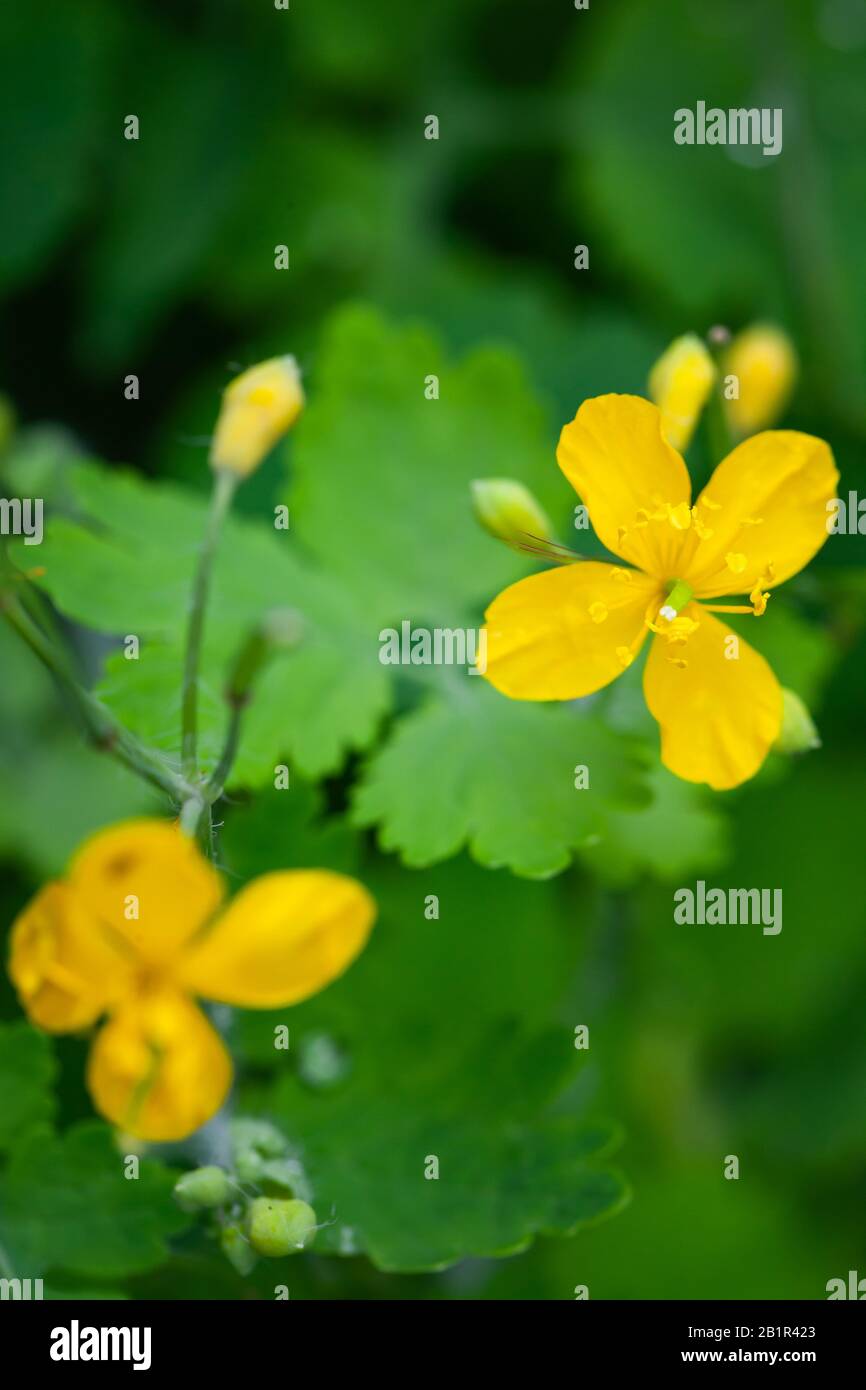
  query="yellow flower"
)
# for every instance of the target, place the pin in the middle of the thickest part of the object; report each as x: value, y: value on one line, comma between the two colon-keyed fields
x: 137, y: 928
x: 680, y: 383
x: 258, y: 406
x: 763, y: 360
x: 571, y: 630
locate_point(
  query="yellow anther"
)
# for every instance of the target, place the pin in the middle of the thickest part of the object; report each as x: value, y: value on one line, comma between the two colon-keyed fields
x: 598, y: 612
x: 708, y: 502
x: 703, y: 532
x: 752, y: 521
x: 624, y: 656
x: 623, y: 575
x: 680, y: 516
x: 735, y: 561
x: 758, y: 601
x: 682, y: 628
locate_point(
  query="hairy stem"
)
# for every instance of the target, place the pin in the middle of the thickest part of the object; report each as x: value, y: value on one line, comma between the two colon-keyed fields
x: 101, y: 727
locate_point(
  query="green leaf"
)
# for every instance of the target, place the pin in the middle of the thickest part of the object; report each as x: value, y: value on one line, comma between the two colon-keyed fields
x: 288, y: 830
x: 125, y: 567
x: 460, y: 1062
x: 66, y: 1204
x: 549, y: 1177
x: 680, y: 831
x: 26, y: 1078
x: 404, y: 537
x: 497, y: 775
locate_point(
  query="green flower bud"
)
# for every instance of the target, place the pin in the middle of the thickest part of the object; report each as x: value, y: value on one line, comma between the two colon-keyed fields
x: 254, y: 1141
x: 282, y: 628
x: 280, y: 1227
x: 508, y: 510
x: 203, y: 1187
x: 798, y: 733
x: 237, y: 1249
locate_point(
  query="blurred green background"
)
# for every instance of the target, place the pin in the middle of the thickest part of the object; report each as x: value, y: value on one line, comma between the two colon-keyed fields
x: 156, y: 257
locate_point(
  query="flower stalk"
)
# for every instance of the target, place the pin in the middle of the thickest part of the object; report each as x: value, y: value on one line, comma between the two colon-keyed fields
x: 224, y: 487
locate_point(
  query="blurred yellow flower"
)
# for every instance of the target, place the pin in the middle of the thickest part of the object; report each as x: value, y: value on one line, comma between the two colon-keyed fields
x: 569, y: 631
x: 680, y: 383
x: 257, y: 407
x: 763, y: 360
x: 136, y: 929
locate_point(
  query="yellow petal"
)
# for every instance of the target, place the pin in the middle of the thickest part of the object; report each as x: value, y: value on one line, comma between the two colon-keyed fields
x: 615, y: 456
x: 769, y: 509
x: 148, y: 883
x: 157, y: 1069
x: 566, y: 632
x: 66, y: 969
x: 718, y: 713
x: 284, y: 937
x: 679, y: 383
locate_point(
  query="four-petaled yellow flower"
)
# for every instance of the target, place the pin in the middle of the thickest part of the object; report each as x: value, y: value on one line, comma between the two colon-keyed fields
x: 135, y: 930
x: 569, y: 631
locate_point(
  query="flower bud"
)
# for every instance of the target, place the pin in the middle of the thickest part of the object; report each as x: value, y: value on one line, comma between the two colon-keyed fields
x: 237, y: 1249
x: 798, y: 733
x: 680, y: 383
x: 202, y: 1187
x: 257, y: 407
x: 281, y: 628
x: 763, y: 360
x: 508, y: 510
x: 280, y: 1227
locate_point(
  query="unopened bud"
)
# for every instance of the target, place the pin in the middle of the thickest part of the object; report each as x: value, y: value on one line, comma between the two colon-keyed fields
x: 279, y: 1226
x: 508, y: 510
x: 763, y: 360
x: 798, y: 733
x: 257, y: 407
x: 237, y: 1249
x: 280, y: 629
x: 680, y: 383
x: 202, y: 1187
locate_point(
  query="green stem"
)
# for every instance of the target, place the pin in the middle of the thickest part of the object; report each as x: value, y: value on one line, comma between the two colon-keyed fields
x: 216, y: 783
x: 191, y: 814
x: 102, y: 729
x: 223, y: 491
x: 719, y: 434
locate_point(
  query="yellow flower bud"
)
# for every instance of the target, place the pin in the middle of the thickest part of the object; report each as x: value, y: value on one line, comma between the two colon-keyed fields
x: 679, y: 383
x: 798, y: 733
x: 763, y: 360
x: 257, y: 407
x: 508, y: 510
